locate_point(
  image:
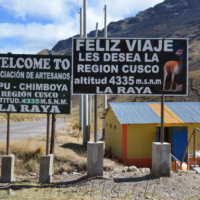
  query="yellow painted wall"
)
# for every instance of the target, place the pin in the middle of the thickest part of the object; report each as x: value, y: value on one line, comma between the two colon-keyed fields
x: 140, y: 138
x: 113, y: 136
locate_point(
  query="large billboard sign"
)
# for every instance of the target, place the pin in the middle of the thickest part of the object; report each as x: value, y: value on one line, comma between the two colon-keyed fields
x: 130, y: 66
x: 35, y: 83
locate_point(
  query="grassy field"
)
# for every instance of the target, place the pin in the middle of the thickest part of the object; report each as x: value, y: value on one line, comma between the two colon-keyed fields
x: 70, y: 154
x: 69, y: 151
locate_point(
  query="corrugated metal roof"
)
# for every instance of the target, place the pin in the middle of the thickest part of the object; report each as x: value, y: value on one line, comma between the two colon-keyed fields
x: 188, y: 112
x: 142, y: 113
x: 134, y: 113
x: 169, y: 116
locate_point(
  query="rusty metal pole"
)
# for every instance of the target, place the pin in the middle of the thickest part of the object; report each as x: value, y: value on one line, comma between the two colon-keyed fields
x: 194, y: 155
x: 95, y: 119
x: 188, y: 158
x: 53, y: 132
x: 47, y: 139
x: 162, y: 120
x: 8, y: 135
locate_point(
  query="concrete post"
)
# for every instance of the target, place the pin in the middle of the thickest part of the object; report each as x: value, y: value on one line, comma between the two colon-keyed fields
x: 94, y: 159
x: 161, y: 165
x: 7, y: 168
x: 46, y: 168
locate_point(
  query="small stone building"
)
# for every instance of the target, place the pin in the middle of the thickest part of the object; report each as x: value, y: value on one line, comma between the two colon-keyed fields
x: 131, y: 127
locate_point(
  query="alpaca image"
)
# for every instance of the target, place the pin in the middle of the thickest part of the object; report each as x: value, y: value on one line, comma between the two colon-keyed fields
x: 173, y: 68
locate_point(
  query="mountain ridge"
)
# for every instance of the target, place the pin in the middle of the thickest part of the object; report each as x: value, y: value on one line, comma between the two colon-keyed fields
x: 169, y: 19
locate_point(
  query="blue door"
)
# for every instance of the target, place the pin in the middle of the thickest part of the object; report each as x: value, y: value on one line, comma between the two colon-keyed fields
x: 179, y: 142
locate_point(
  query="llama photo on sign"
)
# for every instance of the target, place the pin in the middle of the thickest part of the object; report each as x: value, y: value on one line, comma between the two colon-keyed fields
x: 175, y: 72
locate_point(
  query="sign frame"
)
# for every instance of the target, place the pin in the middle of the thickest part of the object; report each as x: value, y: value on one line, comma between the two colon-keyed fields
x: 136, y: 94
x: 46, y: 80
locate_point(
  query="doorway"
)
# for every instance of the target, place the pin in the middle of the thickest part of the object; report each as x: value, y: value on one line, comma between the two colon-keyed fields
x: 177, y: 137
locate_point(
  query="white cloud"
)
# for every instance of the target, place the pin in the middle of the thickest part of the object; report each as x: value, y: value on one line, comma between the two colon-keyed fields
x: 36, y: 37
x: 64, y: 20
x: 46, y: 9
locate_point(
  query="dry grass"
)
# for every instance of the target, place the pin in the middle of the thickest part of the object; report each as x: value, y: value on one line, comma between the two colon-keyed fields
x: 22, y: 117
x: 27, y: 153
x: 70, y: 154
x: 17, y: 117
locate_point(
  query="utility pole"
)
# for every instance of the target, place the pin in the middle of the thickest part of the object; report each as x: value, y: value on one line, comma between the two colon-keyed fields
x: 85, y: 97
x: 81, y: 96
x: 105, y: 96
x: 90, y: 97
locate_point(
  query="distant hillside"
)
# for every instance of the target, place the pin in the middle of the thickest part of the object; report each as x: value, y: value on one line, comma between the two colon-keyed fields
x: 170, y: 19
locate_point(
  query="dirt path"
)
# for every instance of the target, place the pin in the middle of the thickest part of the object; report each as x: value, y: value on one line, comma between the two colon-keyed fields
x: 20, y: 130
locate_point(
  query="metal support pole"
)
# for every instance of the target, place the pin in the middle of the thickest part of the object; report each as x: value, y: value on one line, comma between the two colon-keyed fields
x: 47, y: 139
x: 85, y: 119
x: 162, y: 119
x: 85, y: 97
x: 84, y: 18
x: 53, y: 132
x: 93, y: 108
x: 194, y: 154
x: 81, y: 96
x: 105, y: 96
x: 8, y: 135
x: 95, y: 119
x: 8, y: 130
x: 105, y: 21
x: 81, y: 23
x: 171, y: 159
x: 71, y: 110
x: 90, y: 96
x: 175, y: 165
x: 81, y: 113
x: 188, y: 159
x: 96, y: 32
x: 89, y: 116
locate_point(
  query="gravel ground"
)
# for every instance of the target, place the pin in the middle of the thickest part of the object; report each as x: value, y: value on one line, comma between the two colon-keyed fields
x: 120, y: 184
x: 135, y: 185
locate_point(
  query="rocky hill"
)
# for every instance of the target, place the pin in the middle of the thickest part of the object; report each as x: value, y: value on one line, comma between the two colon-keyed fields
x: 170, y: 19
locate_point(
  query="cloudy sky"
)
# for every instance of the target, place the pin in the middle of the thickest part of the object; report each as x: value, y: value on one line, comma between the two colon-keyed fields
x: 31, y: 26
